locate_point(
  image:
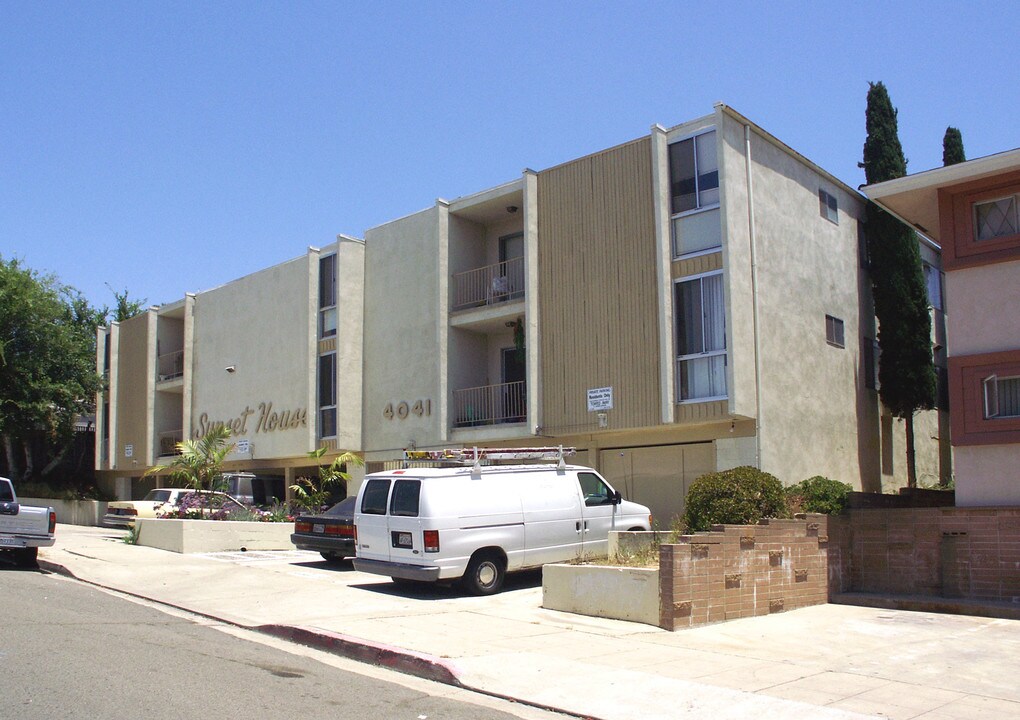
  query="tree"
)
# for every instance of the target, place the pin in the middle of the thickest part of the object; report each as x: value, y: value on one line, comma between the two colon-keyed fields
x: 47, y: 369
x: 200, y: 462
x: 313, y: 495
x: 126, y: 308
x: 952, y: 147
x: 906, y: 371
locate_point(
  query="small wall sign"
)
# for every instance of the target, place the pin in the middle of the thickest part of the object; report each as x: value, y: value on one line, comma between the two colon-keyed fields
x: 600, y: 399
x: 129, y: 451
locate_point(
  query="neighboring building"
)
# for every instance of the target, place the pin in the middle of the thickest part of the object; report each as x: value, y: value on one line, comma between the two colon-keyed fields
x: 273, y: 355
x: 687, y: 302
x: 972, y: 210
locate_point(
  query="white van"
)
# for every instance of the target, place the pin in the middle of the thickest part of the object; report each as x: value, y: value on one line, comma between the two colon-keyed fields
x: 478, y: 523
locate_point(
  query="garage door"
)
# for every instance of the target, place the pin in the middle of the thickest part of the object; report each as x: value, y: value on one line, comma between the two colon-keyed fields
x: 657, y: 476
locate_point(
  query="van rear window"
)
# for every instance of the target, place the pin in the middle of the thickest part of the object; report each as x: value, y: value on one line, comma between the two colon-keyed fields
x: 373, y: 502
x: 405, y: 498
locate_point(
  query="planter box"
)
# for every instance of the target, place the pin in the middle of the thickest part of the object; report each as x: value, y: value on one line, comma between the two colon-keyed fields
x: 201, y: 536
x: 72, y: 512
x: 619, y: 593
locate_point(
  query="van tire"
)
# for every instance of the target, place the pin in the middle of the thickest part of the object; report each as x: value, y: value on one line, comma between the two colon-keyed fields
x: 485, y: 574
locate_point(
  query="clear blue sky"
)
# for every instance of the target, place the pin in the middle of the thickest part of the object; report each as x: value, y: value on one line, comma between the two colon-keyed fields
x: 170, y: 147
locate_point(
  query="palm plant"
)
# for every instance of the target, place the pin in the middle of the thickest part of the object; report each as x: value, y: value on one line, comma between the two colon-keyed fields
x: 312, y: 494
x: 199, y: 464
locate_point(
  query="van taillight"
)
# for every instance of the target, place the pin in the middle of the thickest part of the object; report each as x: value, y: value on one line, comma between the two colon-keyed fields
x: 431, y: 538
x: 53, y: 521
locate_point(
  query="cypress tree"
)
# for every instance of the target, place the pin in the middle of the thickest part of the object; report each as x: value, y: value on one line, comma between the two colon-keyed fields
x: 952, y: 147
x: 906, y: 371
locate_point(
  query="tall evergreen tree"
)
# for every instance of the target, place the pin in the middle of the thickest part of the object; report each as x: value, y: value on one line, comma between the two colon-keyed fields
x: 952, y: 147
x: 906, y: 371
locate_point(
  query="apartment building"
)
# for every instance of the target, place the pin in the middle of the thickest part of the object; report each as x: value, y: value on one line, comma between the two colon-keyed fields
x: 274, y: 355
x: 973, y: 210
x: 690, y: 301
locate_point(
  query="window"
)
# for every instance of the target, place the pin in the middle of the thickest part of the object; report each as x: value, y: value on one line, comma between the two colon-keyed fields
x: 700, y: 338
x: 872, y: 354
x: 594, y: 490
x: 828, y: 207
x: 327, y: 395
x: 404, y: 502
x: 834, y: 331
x: 694, y: 173
x: 996, y: 218
x: 1002, y: 397
x: 373, y: 502
x: 327, y: 296
x: 933, y: 282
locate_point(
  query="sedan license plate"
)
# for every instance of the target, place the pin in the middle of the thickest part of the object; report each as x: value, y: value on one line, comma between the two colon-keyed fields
x: 402, y: 540
x: 318, y: 528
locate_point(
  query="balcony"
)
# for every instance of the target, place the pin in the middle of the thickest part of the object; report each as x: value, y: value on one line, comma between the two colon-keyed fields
x: 490, y: 285
x: 490, y: 405
x: 168, y: 442
x: 170, y: 366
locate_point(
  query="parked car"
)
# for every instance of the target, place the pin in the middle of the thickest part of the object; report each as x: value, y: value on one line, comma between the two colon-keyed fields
x: 478, y: 523
x: 123, y: 513
x: 330, y: 533
x: 23, y: 528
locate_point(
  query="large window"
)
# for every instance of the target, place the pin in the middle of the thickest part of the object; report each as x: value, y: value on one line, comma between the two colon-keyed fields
x: 1002, y: 397
x: 996, y: 218
x: 694, y: 173
x: 933, y: 283
x: 327, y: 296
x: 327, y: 395
x: 700, y: 338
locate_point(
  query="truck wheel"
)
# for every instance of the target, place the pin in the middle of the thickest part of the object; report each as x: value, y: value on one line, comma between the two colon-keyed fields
x: 26, y: 557
x: 484, y: 575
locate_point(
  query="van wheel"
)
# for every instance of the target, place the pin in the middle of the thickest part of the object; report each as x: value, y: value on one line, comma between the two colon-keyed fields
x: 484, y: 575
x: 26, y: 557
x: 636, y: 529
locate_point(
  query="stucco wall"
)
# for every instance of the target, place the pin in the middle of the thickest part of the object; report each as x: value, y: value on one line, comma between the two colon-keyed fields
x: 987, y: 475
x: 261, y: 325
x: 349, y: 355
x: 403, y: 348
x: 968, y: 294
x: 135, y: 390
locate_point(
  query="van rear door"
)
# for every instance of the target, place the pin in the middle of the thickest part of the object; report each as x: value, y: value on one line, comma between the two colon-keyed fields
x: 403, y: 525
x: 371, y: 520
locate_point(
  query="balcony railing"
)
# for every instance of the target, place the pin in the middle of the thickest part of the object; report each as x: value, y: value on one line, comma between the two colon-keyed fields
x: 168, y: 442
x: 490, y: 405
x: 489, y: 285
x: 171, y: 365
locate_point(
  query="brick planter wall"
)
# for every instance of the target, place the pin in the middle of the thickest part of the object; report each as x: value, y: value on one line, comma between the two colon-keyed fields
x: 969, y: 553
x: 736, y: 571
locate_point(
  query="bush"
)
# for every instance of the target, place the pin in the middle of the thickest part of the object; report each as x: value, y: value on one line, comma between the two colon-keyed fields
x: 819, y: 495
x: 741, y: 496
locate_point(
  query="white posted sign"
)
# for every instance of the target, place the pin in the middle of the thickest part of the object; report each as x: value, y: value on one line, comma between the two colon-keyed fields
x: 600, y: 399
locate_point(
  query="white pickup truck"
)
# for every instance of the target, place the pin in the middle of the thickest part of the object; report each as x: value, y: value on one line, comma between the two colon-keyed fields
x: 23, y: 529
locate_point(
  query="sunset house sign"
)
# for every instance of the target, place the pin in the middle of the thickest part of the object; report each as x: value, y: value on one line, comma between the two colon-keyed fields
x: 263, y: 420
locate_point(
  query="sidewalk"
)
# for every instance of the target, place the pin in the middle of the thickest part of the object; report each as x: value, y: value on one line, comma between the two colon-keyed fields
x: 828, y: 662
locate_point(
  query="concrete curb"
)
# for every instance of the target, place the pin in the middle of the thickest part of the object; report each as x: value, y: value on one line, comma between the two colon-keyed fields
x: 408, y: 662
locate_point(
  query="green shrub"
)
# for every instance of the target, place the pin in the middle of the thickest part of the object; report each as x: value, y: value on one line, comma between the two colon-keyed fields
x: 819, y: 495
x: 741, y: 496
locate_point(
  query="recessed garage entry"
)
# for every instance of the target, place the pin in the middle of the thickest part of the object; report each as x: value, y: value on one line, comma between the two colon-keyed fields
x: 657, y: 476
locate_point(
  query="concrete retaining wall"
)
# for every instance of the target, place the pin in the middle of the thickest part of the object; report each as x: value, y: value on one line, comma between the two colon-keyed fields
x: 198, y: 536
x: 72, y: 512
x: 620, y: 593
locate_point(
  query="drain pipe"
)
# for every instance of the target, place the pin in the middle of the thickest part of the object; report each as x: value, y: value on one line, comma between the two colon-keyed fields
x: 754, y: 297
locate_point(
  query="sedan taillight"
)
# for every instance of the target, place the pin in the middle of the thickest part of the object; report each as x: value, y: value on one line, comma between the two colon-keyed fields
x: 431, y: 540
x: 302, y: 527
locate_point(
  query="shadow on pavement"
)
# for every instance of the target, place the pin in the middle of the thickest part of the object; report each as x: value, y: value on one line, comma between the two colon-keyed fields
x: 433, y: 591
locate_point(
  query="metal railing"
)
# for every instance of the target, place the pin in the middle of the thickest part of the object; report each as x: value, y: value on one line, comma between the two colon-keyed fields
x: 168, y: 442
x: 490, y: 404
x: 170, y: 365
x: 489, y: 285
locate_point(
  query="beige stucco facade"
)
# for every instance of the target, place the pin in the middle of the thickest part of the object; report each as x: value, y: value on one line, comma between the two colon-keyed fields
x: 245, y: 355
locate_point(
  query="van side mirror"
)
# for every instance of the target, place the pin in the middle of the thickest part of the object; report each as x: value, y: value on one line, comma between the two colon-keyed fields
x: 617, y: 497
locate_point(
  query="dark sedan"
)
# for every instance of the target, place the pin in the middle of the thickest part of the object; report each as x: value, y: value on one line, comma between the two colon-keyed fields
x: 330, y: 533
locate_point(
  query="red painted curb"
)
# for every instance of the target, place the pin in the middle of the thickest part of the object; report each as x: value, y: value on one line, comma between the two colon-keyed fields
x: 366, y: 651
